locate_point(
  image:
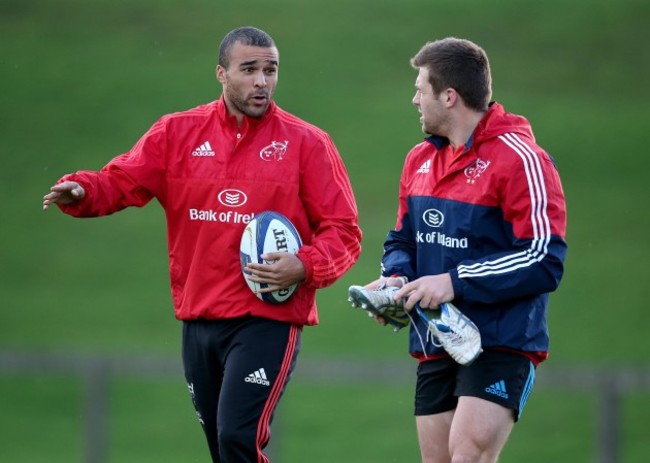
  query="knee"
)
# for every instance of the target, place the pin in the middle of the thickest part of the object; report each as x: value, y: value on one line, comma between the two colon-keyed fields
x: 471, y: 453
x: 465, y: 457
x: 232, y: 438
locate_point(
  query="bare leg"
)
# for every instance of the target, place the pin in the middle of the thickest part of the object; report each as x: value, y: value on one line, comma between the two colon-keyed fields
x: 479, y: 430
x: 433, y: 436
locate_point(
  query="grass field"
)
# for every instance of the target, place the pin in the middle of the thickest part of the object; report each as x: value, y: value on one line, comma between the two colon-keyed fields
x: 82, y: 80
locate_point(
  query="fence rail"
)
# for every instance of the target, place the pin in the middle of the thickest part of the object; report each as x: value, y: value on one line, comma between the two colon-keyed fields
x: 97, y: 370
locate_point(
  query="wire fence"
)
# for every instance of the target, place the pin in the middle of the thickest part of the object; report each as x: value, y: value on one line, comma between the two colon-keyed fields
x: 609, y: 384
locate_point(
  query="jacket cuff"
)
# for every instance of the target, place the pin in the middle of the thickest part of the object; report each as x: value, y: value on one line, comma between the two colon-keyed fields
x: 304, y: 257
x: 75, y: 208
x: 456, y: 283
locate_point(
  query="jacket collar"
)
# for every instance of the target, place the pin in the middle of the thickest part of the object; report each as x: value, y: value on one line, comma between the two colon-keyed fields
x: 493, y: 109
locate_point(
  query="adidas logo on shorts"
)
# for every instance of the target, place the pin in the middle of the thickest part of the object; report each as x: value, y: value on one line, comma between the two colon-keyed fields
x: 498, y: 388
x: 258, y: 377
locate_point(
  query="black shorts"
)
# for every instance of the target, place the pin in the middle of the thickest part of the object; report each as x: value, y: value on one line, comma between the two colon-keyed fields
x: 505, y: 378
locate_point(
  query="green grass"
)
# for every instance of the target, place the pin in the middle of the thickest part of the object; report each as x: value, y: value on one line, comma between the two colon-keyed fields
x: 152, y: 421
x: 366, y: 424
x: 40, y: 420
x: 82, y: 80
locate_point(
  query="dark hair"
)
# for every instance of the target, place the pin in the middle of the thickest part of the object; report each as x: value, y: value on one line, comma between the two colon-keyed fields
x: 246, y: 36
x: 459, y: 64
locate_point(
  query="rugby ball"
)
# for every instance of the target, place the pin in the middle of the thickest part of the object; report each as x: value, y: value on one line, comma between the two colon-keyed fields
x: 268, y: 231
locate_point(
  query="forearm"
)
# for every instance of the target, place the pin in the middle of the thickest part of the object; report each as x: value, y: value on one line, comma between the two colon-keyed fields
x: 333, y: 251
x: 509, y: 276
x: 106, y: 192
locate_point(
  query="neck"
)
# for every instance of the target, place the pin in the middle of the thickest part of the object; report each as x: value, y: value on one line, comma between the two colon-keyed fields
x: 464, y: 127
x: 232, y: 111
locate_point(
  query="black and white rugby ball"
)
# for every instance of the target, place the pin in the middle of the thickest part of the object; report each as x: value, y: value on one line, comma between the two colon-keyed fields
x: 268, y: 231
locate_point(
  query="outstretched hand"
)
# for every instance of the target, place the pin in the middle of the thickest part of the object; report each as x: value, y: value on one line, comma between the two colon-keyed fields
x: 63, y: 193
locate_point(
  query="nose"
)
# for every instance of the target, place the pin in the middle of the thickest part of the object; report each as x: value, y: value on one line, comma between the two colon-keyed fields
x: 416, y: 99
x: 260, y: 80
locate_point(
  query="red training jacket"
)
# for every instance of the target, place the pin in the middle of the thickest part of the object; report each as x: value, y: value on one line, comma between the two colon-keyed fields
x: 212, y: 177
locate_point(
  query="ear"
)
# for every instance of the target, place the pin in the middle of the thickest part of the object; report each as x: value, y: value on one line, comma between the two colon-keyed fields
x: 221, y: 74
x: 451, y: 97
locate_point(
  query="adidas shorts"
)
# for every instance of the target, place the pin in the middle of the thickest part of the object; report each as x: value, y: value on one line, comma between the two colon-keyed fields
x: 505, y: 378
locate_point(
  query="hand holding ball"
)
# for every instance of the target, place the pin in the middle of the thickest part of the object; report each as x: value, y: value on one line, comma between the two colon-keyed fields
x: 268, y: 232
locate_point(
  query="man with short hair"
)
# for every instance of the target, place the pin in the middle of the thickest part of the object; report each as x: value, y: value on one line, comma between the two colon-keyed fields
x: 481, y: 223
x: 213, y: 168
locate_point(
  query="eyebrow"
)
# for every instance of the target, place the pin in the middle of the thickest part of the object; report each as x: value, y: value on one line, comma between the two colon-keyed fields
x: 253, y: 62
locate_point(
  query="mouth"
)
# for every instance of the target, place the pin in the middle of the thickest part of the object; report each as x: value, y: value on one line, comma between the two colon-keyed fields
x: 260, y: 99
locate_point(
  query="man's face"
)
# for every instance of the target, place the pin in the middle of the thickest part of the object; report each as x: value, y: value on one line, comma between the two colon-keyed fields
x: 430, y: 105
x: 250, y: 80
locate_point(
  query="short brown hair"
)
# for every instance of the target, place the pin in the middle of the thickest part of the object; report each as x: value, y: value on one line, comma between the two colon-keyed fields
x: 459, y: 64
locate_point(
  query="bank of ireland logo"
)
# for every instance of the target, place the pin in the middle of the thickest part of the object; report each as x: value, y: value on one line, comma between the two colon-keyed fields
x: 433, y: 218
x: 475, y: 170
x: 274, y: 152
x: 232, y: 198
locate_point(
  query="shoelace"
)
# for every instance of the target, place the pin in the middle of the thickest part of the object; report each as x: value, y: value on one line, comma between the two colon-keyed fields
x: 429, y: 335
x: 424, y: 350
x: 454, y: 338
x: 432, y: 337
x: 387, y: 294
